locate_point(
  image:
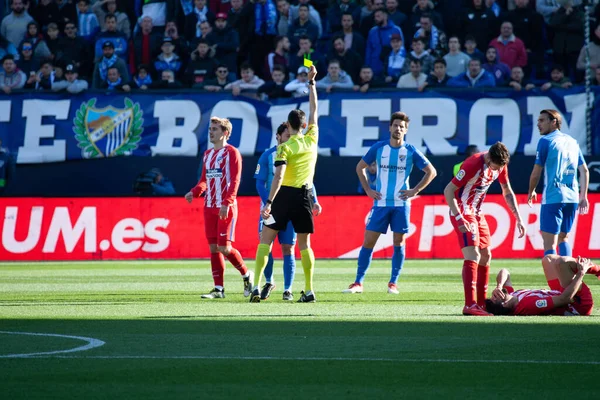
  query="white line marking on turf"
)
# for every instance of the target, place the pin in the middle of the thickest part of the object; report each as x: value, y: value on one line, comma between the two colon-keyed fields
x: 413, y: 360
x: 91, y: 344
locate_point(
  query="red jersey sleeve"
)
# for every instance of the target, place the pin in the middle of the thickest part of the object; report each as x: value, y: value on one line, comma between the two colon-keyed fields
x: 503, y: 177
x: 201, y: 185
x: 235, y: 175
x: 468, y: 169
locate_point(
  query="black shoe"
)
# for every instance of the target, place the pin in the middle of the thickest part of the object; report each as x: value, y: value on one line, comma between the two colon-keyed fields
x: 288, y: 296
x: 255, y: 296
x: 266, y: 291
x: 306, y: 299
x: 214, y: 294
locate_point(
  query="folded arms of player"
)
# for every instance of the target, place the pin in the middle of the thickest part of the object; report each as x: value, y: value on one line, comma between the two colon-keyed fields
x: 511, y: 202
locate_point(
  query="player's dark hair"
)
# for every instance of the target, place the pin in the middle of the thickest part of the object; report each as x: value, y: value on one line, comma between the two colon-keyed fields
x: 499, y: 153
x: 399, y: 115
x: 296, y: 118
x: 281, y: 128
x: 496, y: 309
x: 553, y: 115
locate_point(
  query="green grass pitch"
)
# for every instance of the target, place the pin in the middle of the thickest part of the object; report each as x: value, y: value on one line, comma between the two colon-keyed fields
x: 161, y: 341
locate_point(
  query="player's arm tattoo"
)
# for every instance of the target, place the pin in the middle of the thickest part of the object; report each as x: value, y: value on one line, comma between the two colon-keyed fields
x: 511, y: 201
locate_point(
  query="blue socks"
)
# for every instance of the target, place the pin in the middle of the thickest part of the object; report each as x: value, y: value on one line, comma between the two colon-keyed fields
x: 397, y: 263
x: 549, y: 252
x: 564, y: 249
x: 269, y: 269
x: 364, y: 261
x: 289, y: 269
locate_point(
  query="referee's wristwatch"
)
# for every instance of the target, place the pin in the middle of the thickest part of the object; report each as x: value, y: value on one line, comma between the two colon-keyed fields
x: 269, y: 202
x: 311, y: 82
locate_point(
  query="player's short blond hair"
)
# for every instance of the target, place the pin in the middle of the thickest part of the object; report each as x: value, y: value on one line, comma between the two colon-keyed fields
x: 224, y: 123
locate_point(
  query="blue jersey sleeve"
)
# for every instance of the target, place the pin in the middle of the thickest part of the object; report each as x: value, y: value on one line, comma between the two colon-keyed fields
x: 542, y: 152
x: 419, y: 159
x: 581, y: 160
x: 262, y: 168
x: 372, y: 153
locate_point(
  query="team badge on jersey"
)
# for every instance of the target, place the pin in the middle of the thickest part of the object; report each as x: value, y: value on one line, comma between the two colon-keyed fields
x: 541, y: 303
x: 257, y: 169
x: 460, y: 175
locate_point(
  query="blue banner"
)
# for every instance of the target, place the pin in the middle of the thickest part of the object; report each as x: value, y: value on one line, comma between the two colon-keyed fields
x: 41, y: 128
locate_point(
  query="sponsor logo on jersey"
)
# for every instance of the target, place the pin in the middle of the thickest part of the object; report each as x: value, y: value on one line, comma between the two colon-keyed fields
x: 257, y: 169
x: 214, y: 173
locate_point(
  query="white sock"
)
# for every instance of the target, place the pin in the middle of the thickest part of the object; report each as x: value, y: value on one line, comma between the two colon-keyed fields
x: 219, y: 287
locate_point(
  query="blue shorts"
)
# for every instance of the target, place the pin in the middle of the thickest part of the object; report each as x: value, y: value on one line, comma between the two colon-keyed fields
x: 397, y: 218
x: 557, y: 217
x: 287, y: 236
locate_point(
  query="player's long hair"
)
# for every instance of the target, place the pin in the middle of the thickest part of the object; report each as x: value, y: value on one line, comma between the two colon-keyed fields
x: 281, y: 128
x: 496, y: 309
x: 553, y: 115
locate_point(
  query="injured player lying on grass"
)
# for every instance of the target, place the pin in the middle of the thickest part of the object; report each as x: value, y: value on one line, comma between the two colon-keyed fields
x: 568, y: 295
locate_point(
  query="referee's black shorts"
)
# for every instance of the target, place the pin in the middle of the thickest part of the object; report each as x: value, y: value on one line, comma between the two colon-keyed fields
x: 293, y: 204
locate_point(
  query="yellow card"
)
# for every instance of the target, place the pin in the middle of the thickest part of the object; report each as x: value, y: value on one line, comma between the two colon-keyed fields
x: 308, y: 63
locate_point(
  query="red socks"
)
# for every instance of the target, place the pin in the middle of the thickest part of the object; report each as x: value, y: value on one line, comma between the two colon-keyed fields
x: 236, y: 260
x: 483, y: 276
x: 469, y: 276
x: 217, y: 264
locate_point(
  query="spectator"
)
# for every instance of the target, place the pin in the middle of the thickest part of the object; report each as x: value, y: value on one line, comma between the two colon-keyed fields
x: 435, y: 40
x: 471, y: 49
x: 71, y: 84
x: 201, y: 67
x: 596, y: 77
x: 200, y: 14
x: 284, y: 22
x: 367, y: 11
x: 217, y: 6
x: 567, y: 23
x: 7, y: 168
x: 75, y: 50
x: 111, y: 34
x: 335, y: 12
x: 439, y: 77
x: 352, y: 39
x: 108, y: 60
x: 371, y: 178
x: 234, y: 13
x: 424, y: 7
x: 470, y: 150
x: 44, y: 79
x: 395, y: 61
x: 367, y: 80
x: 103, y: 7
x: 160, y: 11
x: 395, y: 15
x: 336, y: 78
x: 494, y: 7
x: 419, y: 53
x: 11, y: 77
x: 548, y: 7
x: 14, y: 25
x: 280, y: 56
x: 27, y: 63
x: 511, y: 49
x: 263, y: 28
x: 146, y: 43
x: 594, y: 52
x: 114, y: 82
x: 528, y: 25
x: 45, y: 13
x: 161, y: 186
x: 479, y: 22
x: 249, y: 81
x: 67, y: 12
x: 306, y: 51
x: 313, y: 15
x: 349, y: 60
x: 225, y: 42
x: 275, y: 88
x: 302, y: 27
x: 7, y: 47
x: 475, y: 77
x: 558, y: 79
x: 299, y: 86
x: 218, y: 84
x: 168, y: 60
x: 53, y: 41
x: 40, y: 49
x: 517, y: 80
x: 368, y: 22
x: 379, y: 39
x: 415, y: 78
x: 142, y: 80
x: 499, y: 70
x: 180, y: 43
x: 88, y: 22
x: 167, y: 81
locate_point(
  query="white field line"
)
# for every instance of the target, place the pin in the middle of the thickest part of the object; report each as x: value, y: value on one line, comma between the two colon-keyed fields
x: 91, y: 344
x: 367, y: 359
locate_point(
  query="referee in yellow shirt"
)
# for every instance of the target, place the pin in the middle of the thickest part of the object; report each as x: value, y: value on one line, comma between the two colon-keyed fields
x: 290, y: 198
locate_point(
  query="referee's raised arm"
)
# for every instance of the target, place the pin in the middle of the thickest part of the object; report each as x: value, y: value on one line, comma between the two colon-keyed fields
x: 313, y: 114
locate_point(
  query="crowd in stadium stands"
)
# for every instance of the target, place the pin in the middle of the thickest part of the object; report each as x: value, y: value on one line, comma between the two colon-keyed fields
x: 236, y: 45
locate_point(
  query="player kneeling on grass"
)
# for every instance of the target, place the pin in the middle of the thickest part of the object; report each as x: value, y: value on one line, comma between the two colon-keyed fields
x: 391, y: 208
x: 221, y: 174
x: 568, y: 295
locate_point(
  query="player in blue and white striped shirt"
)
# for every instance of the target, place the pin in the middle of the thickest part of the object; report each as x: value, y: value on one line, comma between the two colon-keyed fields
x: 560, y: 157
x: 395, y: 159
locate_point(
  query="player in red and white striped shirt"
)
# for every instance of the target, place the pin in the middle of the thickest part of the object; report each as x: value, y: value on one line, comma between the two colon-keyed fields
x: 568, y: 295
x: 465, y: 194
x: 221, y: 174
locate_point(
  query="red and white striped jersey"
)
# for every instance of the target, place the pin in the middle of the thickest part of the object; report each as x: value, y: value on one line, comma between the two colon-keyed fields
x: 474, y: 180
x: 539, y: 302
x: 221, y: 174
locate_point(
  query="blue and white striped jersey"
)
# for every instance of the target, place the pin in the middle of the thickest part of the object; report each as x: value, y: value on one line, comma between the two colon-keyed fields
x: 560, y: 156
x: 394, y: 165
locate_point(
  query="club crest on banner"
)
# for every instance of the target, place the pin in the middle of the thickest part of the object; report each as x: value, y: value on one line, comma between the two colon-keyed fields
x: 108, y: 131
